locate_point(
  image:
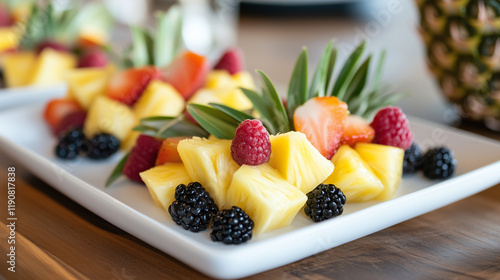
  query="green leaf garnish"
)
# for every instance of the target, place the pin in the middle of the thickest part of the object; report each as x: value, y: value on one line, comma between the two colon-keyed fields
x: 235, y: 114
x: 168, y: 36
x: 342, y: 79
x: 297, y: 88
x: 118, y: 171
x: 216, y: 122
x: 320, y: 78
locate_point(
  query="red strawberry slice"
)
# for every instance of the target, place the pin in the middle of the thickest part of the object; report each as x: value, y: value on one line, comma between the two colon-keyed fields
x: 231, y: 60
x: 322, y: 120
x: 142, y: 157
x: 93, y: 58
x: 168, y: 151
x: 72, y: 120
x: 128, y: 85
x: 187, y: 73
x: 357, y: 130
x: 57, y: 109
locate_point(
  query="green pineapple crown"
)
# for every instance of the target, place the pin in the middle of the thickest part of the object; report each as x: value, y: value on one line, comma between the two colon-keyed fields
x: 353, y: 85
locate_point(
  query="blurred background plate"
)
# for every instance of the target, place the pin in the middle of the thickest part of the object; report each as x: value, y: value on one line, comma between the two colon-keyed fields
x: 12, y: 97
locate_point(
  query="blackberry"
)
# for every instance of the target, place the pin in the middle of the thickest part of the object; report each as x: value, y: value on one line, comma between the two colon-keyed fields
x: 231, y: 226
x: 70, y: 144
x: 324, y: 202
x: 102, y: 146
x: 438, y: 163
x: 412, y: 160
x: 193, y: 207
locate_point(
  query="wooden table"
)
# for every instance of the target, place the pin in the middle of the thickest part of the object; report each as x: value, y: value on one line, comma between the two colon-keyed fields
x: 58, y: 239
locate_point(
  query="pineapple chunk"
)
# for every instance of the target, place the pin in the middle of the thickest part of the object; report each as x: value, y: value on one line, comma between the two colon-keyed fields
x: 354, y: 176
x: 269, y: 200
x: 204, y: 96
x: 162, y: 181
x: 219, y: 79
x: 159, y: 99
x: 51, y: 66
x: 9, y: 38
x: 85, y: 84
x: 16, y: 67
x: 209, y: 162
x: 298, y: 161
x: 387, y: 164
x: 244, y: 79
x: 110, y: 116
x: 129, y: 141
x: 234, y: 97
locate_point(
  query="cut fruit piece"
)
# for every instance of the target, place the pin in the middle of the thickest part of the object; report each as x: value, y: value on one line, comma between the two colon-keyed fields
x: 110, y: 116
x: 209, y: 162
x: 70, y: 121
x: 231, y: 61
x: 128, y: 85
x: 162, y: 181
x: 354, y: 176
x: 142, y: 157
x: 387, y: 164
x: 129, y: 141
x: 159, y: 99
x: 16, y: 65
x: 269, y: 200
x: 298, y: 161
x: 87, y: 83
x: 51, y: 66
x: 219, y: 79
x: 187, y: 73
x: 168, y: 151
x: 9, y: 38
x: 57, y: 109
x: 322, y: 120
x: 204, y: 96
x: 357, y: 130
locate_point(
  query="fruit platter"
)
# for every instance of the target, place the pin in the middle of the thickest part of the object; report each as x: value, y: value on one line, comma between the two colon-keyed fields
x: 190, y: 156
x: 35, y: 60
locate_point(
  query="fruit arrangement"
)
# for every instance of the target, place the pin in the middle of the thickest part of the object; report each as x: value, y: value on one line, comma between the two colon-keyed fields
x: 247, y: 172
x: 51, y: 42
x: 462, y: 39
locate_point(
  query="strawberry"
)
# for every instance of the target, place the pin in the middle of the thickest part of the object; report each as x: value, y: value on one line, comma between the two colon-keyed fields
x: 322, y: 120
x: 231, y: 60
x: 142, y: 157
x: 57, y: 109
x: 128, y: 85
x: 5, y: 16
x: 357, y: 130
x: 187, y: 73
x: 51, y: 44
x: 168, y: 151
x: 93, y: 58
x: 70, y: 121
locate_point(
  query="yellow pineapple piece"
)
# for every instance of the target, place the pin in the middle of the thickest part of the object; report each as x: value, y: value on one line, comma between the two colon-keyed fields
x: 209, y: 162
x: 129, y: 141
x: 298, y: 161
x: 110, y: 116
x: 269, y: 200
x: 219, y: 79
x: 244, y: 79
x: 354, y: 176
x: 85, y: 84
x: 162, y: 181
x: 159, y: 99
x: 9, y: 38
x: 51, y: 66
x: 234, y: 98
x: 16, y: 67
x: 204, y: 96
x: 387, y: 164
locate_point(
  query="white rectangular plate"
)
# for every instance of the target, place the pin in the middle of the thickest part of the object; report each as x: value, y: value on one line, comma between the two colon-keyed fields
x: 12, y: 97
x: 26, y: 138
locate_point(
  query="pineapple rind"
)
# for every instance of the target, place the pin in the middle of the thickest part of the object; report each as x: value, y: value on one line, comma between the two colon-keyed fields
x: 354, y: 176
x: 387, y: 164
x: 269, y: 200
x: 162, y: 180
x: 209, y: 162
x: 298, y: 161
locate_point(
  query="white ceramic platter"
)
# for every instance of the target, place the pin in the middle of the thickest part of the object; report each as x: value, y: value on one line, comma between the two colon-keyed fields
x: 13, y: 97
x: 25, y: 137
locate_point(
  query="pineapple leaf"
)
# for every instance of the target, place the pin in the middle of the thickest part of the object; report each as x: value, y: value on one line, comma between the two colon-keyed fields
x: 358, y: 81
x: 379, y: 70
x: 117, y: 172
x: 320, y: 78
x: 297, y: 89
x: 168, y: 36
x: 262, y: 106
x: 235, y: 114
x: 274, y: 105
x: 180, y: 127
x: 345, y: 73
x: 140, y: 53
x: 214, y: 121
x: 331, y: 66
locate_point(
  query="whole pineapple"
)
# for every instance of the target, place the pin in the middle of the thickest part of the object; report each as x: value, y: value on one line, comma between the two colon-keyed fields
x: 463, y: 49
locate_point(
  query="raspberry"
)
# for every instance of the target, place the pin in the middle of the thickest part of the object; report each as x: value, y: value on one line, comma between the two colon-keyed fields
x: 71, y: 121
x: 93, y: 58
x: 251, y: 145
x: 142, y: 157
x: 232, y: 61
x: 392, y: 128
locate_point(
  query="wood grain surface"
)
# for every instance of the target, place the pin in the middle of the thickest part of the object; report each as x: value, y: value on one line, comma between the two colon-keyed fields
x: 56, y: 238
